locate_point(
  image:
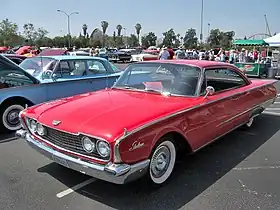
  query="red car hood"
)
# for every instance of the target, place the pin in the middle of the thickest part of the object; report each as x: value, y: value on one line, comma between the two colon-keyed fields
x: 106, y: 113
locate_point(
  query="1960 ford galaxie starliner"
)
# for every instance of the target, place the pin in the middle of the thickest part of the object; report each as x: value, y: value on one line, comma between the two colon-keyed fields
x: 154, y: 110
x: 44, y: 78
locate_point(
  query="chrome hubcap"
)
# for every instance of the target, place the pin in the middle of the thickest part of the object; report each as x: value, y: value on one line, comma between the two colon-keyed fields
x: 160, y: 161
x: 13, y: 117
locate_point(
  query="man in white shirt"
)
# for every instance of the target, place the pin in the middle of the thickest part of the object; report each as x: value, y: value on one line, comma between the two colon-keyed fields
x: 164, y: 54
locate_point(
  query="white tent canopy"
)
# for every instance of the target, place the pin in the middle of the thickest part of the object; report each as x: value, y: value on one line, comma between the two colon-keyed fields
x: 273, y: 41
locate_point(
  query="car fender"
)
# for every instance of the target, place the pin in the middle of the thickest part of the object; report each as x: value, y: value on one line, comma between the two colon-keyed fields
x: 165, y: 131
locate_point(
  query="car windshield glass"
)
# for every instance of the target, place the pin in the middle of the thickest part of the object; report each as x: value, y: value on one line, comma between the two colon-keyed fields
x: 174, y: 79
x: 37, y: 65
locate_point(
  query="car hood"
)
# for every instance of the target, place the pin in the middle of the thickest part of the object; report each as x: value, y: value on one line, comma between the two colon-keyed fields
x: 106, y: 113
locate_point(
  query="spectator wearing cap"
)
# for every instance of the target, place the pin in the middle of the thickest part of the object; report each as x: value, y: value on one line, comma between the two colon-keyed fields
x: 164, y: 54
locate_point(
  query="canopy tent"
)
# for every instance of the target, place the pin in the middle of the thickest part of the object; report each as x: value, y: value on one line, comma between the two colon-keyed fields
x: 273, y: 41
x: 249, y: 42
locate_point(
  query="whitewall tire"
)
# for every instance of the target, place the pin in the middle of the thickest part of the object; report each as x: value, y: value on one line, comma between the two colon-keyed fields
x: 249, y: 123
x: 10, y: 117
x: 162, y: 162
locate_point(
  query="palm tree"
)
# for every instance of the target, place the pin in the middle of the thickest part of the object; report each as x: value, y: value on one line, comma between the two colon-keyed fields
x: 104, y: 26
x: 85, y: 29
x: 138, y: 28
x: 178, y: 36
x: 119, y: 29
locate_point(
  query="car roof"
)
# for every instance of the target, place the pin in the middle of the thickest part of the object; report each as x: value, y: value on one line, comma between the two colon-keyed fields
x: 73, y: 57
x: 198, y: 63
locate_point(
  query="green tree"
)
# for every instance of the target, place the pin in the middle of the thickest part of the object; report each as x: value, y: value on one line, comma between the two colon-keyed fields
x: 29, y: 32
x: 8, y: 33
x: 104, y: 26
x: 149, y: 40
x: 169, y: 38
x: 132, y: 41
x: 190, y: 39
x: 119, y: 30
x: 138, y: 28
x: 84, y: 28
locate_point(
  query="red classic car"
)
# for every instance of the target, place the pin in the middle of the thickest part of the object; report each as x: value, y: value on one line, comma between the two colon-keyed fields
x: 154, y: 111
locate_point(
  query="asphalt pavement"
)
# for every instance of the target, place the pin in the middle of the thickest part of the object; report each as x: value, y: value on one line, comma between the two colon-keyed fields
x: 239, y: 171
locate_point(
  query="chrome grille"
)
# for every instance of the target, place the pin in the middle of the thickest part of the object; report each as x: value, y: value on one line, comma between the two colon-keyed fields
x: 68, y: 141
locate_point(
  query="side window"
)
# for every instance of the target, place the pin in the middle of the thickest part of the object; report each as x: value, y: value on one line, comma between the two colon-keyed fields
x: 71, y: 68
x: 12, y: 77
x: 96, y: 67
x: 223, y: 79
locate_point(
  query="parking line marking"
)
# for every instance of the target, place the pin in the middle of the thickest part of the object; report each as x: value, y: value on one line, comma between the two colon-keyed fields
x: 272, y: 109
x: 276, y: 102
x: 272, y: 113
x: 8, y: 139
x: 256, y: 168
x: 75, y: 188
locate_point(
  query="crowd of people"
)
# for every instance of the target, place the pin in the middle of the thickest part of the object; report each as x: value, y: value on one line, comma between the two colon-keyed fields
x: 231, y: 56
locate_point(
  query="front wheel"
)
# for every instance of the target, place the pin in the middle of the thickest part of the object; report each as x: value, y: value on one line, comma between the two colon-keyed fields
x: 249, y: 123
x: 162, y: 162
x: 10, y: 117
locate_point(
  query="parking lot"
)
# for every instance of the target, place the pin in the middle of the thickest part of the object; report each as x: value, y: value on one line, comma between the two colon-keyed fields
x: 239, y: 171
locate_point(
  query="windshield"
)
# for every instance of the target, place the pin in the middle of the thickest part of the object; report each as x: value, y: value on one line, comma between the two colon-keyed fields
x: 172, y: 79
x: 37, y: 65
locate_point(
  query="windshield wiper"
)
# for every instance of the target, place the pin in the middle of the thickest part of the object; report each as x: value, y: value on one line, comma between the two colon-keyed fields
x: 124, y: 87
x: 157, y: 91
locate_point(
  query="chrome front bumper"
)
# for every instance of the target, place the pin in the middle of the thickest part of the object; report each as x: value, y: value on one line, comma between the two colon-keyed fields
x: 114, y: 173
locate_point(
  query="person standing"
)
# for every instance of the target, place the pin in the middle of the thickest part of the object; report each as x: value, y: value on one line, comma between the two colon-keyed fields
x: 164, y: 54
x: 180, y: 53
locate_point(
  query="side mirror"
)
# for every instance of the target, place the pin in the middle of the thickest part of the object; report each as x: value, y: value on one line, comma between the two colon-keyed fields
x: 209, y: 91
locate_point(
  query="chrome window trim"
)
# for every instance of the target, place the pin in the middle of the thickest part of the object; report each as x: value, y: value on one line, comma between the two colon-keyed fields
x: 117, y: 156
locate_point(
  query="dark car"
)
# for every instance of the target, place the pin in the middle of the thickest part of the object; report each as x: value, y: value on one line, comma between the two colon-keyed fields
x: 15, y: 58
x: 122, y: 55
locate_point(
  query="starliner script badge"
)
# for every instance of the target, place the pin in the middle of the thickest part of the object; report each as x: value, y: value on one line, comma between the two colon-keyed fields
x: 136, y: 145
x: 56, y: 122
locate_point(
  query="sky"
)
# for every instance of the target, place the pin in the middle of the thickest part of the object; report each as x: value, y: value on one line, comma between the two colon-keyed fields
x: 245, y: 17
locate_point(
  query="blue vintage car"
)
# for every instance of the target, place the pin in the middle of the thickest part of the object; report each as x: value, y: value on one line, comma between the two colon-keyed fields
x: 40, y: 79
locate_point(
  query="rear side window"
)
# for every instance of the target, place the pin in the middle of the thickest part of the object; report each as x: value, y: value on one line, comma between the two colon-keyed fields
x: 223, y: 79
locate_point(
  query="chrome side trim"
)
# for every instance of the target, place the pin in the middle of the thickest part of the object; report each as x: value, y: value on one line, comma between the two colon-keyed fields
x: 117, y: 156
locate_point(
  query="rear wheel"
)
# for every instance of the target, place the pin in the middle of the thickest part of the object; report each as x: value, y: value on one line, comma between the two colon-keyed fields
x: 162, y: 162
x: 249, y: 123
x: 10, y: 117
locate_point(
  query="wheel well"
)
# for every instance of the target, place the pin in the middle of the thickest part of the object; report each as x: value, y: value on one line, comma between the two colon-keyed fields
x: 17, y: 100
x: 180, y: 141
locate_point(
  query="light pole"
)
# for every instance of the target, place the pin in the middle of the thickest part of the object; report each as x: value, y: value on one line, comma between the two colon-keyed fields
x: 68, y: 24
x: 201, y: 22
x: 208, y: 29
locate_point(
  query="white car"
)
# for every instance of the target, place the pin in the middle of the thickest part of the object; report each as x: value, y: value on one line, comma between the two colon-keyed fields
x: 146, y: 55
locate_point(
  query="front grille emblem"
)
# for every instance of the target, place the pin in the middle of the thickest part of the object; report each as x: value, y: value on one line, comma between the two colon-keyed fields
x: 56, y: 122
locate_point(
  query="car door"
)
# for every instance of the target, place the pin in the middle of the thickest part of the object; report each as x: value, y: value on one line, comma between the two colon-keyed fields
x: 98, y: 73
x: 229, y: 101
x: 69, y: 79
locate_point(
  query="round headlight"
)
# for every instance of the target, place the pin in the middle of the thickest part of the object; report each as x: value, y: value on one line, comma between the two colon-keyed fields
x: 88, y: 145
x: 103, y: 148
x: 41, y: 130
x: 33, y: 125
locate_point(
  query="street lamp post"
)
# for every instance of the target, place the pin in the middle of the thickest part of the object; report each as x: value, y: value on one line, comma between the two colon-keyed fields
x: 208, y: 29
x: 201, y: 21
x: 68, y: 24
